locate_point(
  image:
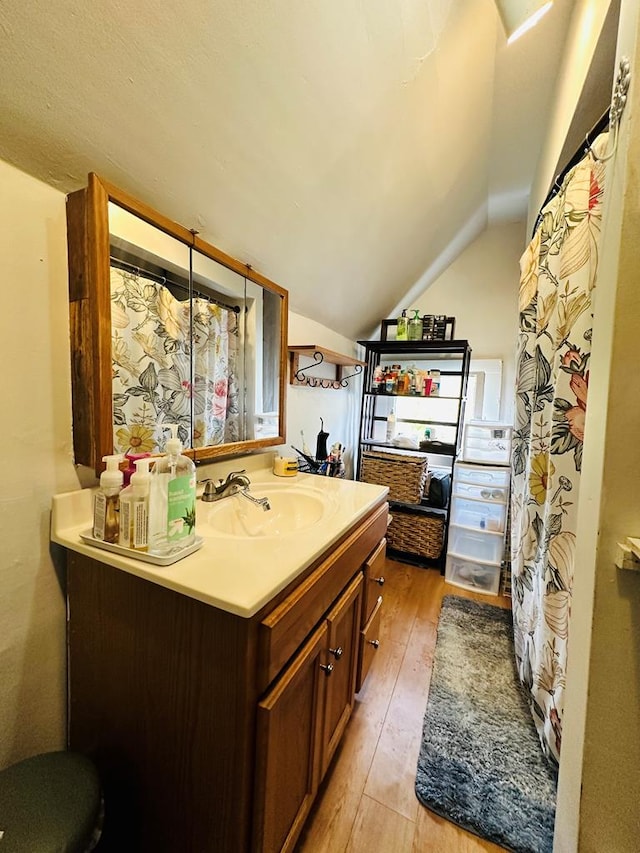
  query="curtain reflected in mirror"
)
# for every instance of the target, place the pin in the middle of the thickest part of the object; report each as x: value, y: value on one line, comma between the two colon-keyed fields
x: 193, y: 343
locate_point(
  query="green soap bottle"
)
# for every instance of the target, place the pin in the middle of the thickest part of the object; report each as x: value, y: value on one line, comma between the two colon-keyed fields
x: 401, y: 332
x: 414, y: 327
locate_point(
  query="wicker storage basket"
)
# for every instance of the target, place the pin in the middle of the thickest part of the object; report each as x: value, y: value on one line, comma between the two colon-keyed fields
x: 416, y: 533
x: 405, y: 475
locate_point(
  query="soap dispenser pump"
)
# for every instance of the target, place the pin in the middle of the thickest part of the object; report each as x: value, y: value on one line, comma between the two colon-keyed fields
x: 172, y: 500
x: 106, y: 504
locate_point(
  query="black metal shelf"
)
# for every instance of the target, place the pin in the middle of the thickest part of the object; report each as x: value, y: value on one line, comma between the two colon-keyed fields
x: 439, y: 352
x: 423, y: 508
x: 443, y: 349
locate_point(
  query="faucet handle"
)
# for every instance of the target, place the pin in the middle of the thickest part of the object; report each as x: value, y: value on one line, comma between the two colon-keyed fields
x: 234, y: 474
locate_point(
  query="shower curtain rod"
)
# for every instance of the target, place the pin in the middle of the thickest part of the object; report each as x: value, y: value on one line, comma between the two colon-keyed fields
x: 599, y: 127
x: 162, y: 279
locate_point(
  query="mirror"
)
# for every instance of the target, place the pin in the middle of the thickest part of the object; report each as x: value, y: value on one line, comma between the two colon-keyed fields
x: 165, y: 328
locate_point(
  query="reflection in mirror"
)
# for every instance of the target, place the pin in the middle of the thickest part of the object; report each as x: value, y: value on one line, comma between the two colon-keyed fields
x: 263, y: 350
x: 218, y: 333
x: 150, y: 334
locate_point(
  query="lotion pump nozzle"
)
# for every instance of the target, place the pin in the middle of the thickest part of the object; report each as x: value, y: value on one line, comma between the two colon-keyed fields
x: 141, y: 477
x: 173, y: 445
x: 112, y: 477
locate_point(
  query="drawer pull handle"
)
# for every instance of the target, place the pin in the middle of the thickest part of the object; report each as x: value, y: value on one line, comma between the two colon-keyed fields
x: 337, y: 653
x: 374, y: 643
x: 328, y: 668
x: 379, y: 581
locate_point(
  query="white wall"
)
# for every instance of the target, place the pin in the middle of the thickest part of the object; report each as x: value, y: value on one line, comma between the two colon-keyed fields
x: 586, y: 24
x: 480, y: 289
x: 37, y: 462
x: 339, y: 408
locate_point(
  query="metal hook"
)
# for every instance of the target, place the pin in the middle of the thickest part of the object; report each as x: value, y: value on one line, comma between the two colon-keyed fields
x: 618, y: 103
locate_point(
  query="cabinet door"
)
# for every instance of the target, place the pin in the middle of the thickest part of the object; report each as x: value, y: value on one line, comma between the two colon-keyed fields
x: 369, y: 644
x: 373, y: 580
x: 288, y: 747
x: 343, y: 622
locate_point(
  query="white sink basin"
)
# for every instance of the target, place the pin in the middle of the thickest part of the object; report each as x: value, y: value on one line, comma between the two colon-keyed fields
x: 293, y: 508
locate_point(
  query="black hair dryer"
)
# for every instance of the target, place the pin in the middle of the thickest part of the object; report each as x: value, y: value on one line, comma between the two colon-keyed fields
x: 321, y: 443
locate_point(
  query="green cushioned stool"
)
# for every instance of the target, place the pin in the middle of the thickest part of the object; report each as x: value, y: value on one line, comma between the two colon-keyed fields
x: 49, y: 803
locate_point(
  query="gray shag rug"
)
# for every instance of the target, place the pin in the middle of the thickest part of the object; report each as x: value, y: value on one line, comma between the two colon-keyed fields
x: 481, y: 764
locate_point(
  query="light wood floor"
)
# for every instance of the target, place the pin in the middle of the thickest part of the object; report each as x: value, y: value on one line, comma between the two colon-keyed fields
x: 367, y: 802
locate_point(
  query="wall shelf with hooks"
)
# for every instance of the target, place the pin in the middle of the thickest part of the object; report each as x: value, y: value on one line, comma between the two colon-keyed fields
x: 320, y: 355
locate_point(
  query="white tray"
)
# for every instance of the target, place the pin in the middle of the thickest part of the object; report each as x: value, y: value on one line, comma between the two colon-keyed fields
x: 87, y: 536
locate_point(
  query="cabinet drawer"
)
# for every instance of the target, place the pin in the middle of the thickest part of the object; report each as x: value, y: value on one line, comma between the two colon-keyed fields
x: 373, y: 580
x: 369, y: 642
x: 285, y: 628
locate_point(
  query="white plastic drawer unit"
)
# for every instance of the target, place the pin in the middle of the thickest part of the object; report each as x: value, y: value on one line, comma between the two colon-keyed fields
x: 483, y: 475
x: 479, y: 514
x: 474, y: 490
x: 474, y: 575
x: 487, y: 442
x: 476, y: 544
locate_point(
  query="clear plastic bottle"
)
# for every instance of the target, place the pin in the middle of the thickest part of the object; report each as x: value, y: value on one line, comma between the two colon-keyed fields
x: 414, y: 326
x: 172, y: 500
x: 401, y: 330
x: 134, y: 509
x: 391, y: 427
x: 106, y: 503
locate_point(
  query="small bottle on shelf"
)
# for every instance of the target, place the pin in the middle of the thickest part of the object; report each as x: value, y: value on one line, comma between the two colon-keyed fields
x: 391, y: 427
x: 401, y: 331
x: 414, y: 327
x: 378, y: 380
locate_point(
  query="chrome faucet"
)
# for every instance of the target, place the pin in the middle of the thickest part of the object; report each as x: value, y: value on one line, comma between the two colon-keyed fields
x: 237, y: 483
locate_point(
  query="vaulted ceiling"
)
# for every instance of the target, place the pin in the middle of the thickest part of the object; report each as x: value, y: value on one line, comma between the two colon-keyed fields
x: 347, y: 150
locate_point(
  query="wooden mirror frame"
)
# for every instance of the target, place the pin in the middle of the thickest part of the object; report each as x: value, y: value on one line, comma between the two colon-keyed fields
x: 90, y: 320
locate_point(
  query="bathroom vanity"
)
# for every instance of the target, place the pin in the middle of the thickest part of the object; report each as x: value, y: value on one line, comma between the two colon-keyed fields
x: 213, y: 693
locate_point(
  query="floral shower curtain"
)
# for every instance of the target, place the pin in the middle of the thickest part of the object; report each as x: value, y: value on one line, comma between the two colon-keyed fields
x: 161, y: 377
x: 558, y: 275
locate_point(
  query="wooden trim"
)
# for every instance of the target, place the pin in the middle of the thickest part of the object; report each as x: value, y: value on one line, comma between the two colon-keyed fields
x: 144, y: 211
x: 99, y: 283
x: 328, y: 355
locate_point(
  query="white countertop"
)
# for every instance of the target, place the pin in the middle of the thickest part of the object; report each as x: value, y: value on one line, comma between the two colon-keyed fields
x: 236, y: 574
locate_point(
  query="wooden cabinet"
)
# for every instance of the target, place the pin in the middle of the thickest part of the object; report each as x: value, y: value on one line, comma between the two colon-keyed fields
x: 343, y: 621
x: 289, y: 747
x: 300, y: 723
x: 212, y: 732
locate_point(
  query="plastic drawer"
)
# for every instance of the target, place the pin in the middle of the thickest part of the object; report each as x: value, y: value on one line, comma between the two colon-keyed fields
x: 488, y: 430
x: 480, y: 515
x: 482, y: 475
x: 488, y: 493
x: 487, y: 454
x: 470, y: 574
x: 476, y: 544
